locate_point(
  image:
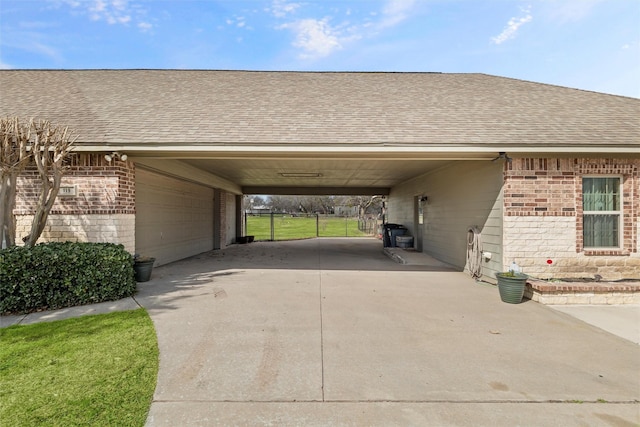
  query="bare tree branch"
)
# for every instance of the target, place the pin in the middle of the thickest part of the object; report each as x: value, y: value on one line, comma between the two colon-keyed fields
x: 14, y: 156
x: 51, y: 147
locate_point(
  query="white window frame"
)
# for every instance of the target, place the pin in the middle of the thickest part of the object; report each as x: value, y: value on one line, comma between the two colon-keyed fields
x: 618, y: 212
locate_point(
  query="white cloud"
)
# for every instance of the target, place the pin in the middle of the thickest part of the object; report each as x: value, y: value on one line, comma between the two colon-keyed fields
x: 319, y: 38
x: 395, y: 12
x: 113, y: 12
x: 632, y: 45
x: 282, y: 8
x: 237, y: 21
x: 315, y: 37
x: 570, y: 10
x: 145, y: 26
x: 513, y: 26
x: 36, y: 25
x: 35, y: 44
x: 45, y: 50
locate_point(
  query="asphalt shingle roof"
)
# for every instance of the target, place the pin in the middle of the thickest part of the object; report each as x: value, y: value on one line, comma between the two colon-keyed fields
x: 187, y: 107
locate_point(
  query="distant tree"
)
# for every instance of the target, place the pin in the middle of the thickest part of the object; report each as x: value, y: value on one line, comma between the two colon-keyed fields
x: 252, y: 202
x: 287, y: 204
x: 367, y: 205
x: 317, y: 204
x: 370, y: 205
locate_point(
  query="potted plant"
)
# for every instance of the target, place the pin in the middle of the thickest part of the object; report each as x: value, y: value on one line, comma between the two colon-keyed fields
x: 142, y: 267
x: 511, y: 285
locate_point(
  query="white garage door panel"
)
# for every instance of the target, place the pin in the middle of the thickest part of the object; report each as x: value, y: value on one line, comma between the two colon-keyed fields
x: 174, y: 218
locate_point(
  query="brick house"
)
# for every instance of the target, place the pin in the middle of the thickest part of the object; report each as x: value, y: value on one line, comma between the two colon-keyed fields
x: 546, y: 175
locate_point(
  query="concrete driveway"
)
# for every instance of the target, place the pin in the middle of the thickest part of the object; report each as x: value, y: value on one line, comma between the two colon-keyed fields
x: 333, y: 332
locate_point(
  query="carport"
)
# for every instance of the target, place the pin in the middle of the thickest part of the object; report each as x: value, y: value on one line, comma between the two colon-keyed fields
x: 384, y: 171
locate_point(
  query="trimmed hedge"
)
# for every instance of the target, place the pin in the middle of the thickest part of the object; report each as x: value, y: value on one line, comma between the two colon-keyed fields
x: 56, y: 275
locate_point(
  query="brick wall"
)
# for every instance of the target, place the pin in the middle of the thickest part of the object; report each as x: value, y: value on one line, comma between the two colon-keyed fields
x: 543, y: 218
x: 230, y: 218
x: 102, y: 209
x: 101, y: 188
x: 220, y: 218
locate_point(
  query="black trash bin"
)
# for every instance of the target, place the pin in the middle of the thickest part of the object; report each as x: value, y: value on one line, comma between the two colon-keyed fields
x: 390, y: 233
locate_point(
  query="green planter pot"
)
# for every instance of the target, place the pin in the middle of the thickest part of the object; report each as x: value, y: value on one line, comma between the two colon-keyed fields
x: 142, y: 269
x: 511, y: 287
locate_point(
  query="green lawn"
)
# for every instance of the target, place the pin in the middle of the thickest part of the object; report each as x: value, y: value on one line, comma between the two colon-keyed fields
x: 287, y: 227
x: 90, y: 370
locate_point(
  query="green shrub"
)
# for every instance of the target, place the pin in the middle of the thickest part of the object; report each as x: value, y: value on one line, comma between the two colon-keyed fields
x: 55, y: 275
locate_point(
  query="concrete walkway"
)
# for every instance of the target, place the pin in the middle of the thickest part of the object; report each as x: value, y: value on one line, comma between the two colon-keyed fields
x: 333, y: 332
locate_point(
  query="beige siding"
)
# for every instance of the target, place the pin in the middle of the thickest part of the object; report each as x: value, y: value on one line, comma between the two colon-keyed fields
x: 174, y: 218
x: 459, y: 196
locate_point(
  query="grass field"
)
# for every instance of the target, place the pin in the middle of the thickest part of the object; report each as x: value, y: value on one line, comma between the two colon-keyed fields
x: 90, y: 370
x: 286, y: 227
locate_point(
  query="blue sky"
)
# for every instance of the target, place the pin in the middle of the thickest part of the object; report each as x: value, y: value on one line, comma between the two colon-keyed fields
x: 585, y: 44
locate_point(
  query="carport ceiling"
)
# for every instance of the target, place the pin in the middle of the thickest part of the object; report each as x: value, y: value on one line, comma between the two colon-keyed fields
x: 325, y: 170
x: 316, y: 176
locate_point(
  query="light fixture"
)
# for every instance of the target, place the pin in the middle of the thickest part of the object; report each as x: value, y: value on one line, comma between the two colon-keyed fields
x: 115, y: 154
x: 300, y: 174
x: 502, y: 155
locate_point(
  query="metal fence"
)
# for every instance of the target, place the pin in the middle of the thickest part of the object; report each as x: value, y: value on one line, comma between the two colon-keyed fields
x: 283, y: 226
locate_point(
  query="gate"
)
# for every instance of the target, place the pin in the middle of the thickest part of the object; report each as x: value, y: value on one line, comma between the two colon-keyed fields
x: 284, y: 226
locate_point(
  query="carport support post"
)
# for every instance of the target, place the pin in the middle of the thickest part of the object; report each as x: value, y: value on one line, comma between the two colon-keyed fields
x: 273, y: 237
x: 217, y: 220
x: 239, y: 229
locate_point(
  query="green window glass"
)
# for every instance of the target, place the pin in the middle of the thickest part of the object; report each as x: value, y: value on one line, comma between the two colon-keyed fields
x: 601, y: 205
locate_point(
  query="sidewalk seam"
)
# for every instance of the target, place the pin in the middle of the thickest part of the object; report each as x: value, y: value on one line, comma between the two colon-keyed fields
x: 321, y: 336
x: 133, y: 297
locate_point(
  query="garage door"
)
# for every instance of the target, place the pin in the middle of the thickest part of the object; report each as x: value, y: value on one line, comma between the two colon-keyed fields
x: 174, y: 218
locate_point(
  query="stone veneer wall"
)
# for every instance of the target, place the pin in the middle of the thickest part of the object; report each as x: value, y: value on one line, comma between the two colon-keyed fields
x: 542, y: 229
x: 116, y: 228
x: 103, y: 209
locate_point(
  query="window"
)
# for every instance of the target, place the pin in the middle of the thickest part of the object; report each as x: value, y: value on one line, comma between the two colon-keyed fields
x: 601, y: 208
